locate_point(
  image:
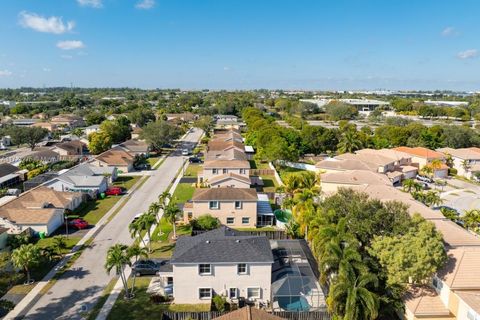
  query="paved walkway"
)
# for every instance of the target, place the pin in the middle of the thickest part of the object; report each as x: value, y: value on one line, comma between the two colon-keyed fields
x: 79, y: 288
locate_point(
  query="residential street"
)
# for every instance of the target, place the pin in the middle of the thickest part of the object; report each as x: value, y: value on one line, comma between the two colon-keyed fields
x: 80, y: 287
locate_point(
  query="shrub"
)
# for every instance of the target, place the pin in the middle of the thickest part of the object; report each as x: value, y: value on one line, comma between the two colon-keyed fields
x: 205, y: 222
x: 452, y: 171
x: 219, y: 303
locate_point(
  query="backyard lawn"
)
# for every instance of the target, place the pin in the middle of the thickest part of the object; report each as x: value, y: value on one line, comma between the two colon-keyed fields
x: 285, y: 171
x: 92, y: 211
x: 183, y: 192
x: 140, y: 307
x: 255, y: 164
x: 269, y: 183
x: 162, y: 247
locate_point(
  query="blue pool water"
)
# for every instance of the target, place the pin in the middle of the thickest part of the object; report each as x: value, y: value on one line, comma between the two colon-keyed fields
x: 297, y: 303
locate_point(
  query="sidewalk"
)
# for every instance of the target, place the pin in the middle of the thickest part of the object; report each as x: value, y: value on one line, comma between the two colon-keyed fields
x: 31, y: 297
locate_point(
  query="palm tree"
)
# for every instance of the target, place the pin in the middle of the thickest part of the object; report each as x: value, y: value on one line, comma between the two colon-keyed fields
x: 466, y: 165
x: 471, y: 219
x: 427, y: 170
x: 59, y: 244
x: 154, y: 208
x: 350, y: 296
x: 432, y: 198
x: 170, y: 213
x: 436, y: 164
x: 136, y: 252
x: 349, y: 142
x: 164, y: 199
x: 410, y: 184
x: 118, y: 258
x: 26, y: 257
x: 143, y: 223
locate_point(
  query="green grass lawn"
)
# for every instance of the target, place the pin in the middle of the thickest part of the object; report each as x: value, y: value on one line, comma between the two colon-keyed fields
x: 93, y: 210
x: 255, y: 164
x: 71, y: 242
x: 269, y: 183
x: 153, y: 160
x: 140, y: 307
x: 192, y: 170
x: 286, y: 171
x: 183, y: 192
x: 161, y: 246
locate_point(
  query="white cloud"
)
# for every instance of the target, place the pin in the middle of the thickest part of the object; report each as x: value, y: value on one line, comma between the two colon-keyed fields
x: 70, y: 45
x: 90, y: 3
x: 66, y: 56
x: 5, y: 73
x: 226, y: 68
x: 449, y: 32
x: 42, y: 24
x: 467, y: 54
x: 46, y: 69
x: 145, y: 4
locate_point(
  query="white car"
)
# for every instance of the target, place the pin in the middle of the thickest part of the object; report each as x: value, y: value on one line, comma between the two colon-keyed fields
x: 185, y: 152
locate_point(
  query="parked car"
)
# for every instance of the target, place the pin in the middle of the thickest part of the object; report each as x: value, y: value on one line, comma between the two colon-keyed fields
x: 185, y: 152
x: 194, y: 160
x: 143, y: 166
x: 114, y: 191
x: 145, y: 267
x: 78, y: 224
x: 424, y: 179
x: 425, y: 186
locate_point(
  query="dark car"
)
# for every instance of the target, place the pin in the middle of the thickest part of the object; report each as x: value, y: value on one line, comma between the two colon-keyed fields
x: 143, y: 166
x: 145, y: 267
x: 195, y: 160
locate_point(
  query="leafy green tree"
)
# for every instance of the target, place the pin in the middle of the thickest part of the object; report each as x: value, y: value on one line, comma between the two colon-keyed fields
x: 99, y: 142
x: 159, y: 133
x: 414, y: 256
x: 118, y: 130
x: 340, y: 111
x: 118, y: 259
x: 205, y: 123
x: 141, y: 116
x: 219, y: 302
x: 94, y: 117
x: 471, y: 219
x: 26, y: 257
x: 28, y: 135
x: 205, y: 222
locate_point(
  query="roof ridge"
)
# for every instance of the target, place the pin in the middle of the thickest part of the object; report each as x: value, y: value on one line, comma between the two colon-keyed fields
x: 457, y: 269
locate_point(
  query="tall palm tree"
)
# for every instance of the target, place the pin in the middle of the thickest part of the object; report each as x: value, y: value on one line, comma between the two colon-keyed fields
x: 164, y: 199
x: 350, y: 296
x: 432, y: 198
x: 410, y: 184
x: 143, y: 223
x: 436, y: 164
x: 170, y: 213
x: 427, y: 170
x: 154, y: 208
x: 26, y: 257
x: 136, y: 252
x: 118, y: 258
x: 349, y: 142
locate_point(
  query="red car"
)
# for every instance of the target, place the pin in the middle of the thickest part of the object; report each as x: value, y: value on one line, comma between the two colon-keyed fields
x: 114, y: 191
x: 78, y: 224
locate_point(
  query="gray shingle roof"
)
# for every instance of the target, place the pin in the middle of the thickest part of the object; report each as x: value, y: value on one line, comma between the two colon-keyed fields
x: 7, y: 168
x: 222, y: 245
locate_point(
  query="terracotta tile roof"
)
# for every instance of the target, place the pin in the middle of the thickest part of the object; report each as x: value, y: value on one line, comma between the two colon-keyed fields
x: 229, y: 176
x: 461, y: 270
x: 471, y: 298
x: 232, y: 194
x: 219, y: 164
x: 424, y: 301
x: 356, y: 177
x: 116, y: 157
x: 421, y: 152
x: 248, y: 313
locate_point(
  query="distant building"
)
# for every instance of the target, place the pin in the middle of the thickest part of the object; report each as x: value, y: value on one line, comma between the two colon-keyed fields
x: 446, y: 103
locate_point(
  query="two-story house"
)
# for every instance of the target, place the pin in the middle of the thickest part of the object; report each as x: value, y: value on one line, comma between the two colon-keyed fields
x: 422, y: 157
x: 226, y: 173
x: 220, y: 262
x: 465, y: 160
x: 234, y: 207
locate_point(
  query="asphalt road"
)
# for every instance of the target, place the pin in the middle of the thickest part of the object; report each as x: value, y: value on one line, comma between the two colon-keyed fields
x: 77, y: 291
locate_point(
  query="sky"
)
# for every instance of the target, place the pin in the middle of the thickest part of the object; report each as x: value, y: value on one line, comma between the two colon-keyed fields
x: 241, y: 44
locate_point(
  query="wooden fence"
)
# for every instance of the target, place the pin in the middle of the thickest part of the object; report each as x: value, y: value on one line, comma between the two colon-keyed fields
x: 262, y: 172
x: 314, y: 315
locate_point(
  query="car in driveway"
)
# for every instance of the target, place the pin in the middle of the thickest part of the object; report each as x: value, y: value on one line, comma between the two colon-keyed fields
x: 424, y: 179
x: 114, y: 191
x: 194, y: 160
x: 145, y: 267
x: 78, y: 224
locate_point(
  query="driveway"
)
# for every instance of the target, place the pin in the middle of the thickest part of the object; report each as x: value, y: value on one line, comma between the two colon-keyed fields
x: 78, y: 290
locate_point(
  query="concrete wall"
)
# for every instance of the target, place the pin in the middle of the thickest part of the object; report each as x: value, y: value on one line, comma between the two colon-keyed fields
x: 187, y: 281
x: 227, y: 209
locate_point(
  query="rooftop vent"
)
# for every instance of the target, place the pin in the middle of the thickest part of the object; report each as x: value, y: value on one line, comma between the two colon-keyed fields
x: 208, y: 241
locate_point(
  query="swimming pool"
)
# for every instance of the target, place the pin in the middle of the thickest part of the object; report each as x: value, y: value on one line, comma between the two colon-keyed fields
x: 293, y: 303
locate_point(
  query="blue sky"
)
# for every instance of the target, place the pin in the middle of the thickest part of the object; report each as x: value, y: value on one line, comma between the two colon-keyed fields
x: 241, y: 44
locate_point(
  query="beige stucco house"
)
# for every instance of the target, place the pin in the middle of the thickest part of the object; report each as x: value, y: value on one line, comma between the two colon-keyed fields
x: 226, y: 173
x: 423, y: 156
x: 118, y: 158
x: 465, y: 160
x: 234, y: 207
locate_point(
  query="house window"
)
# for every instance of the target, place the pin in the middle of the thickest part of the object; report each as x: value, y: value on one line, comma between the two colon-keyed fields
x: 215, y: 171
x: 190, y: 215
x: 242, y: 171
x: 242, y: 268
x: 253, y: 293
x: 232, y: 293
x: 204, y: 269
x: 238, y: 204
x: 205, y: 293
x: 225, y: 171
x: 214, y: 205
x: 437, y: 283
x: 245, y: 220
x: 230, y: 220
